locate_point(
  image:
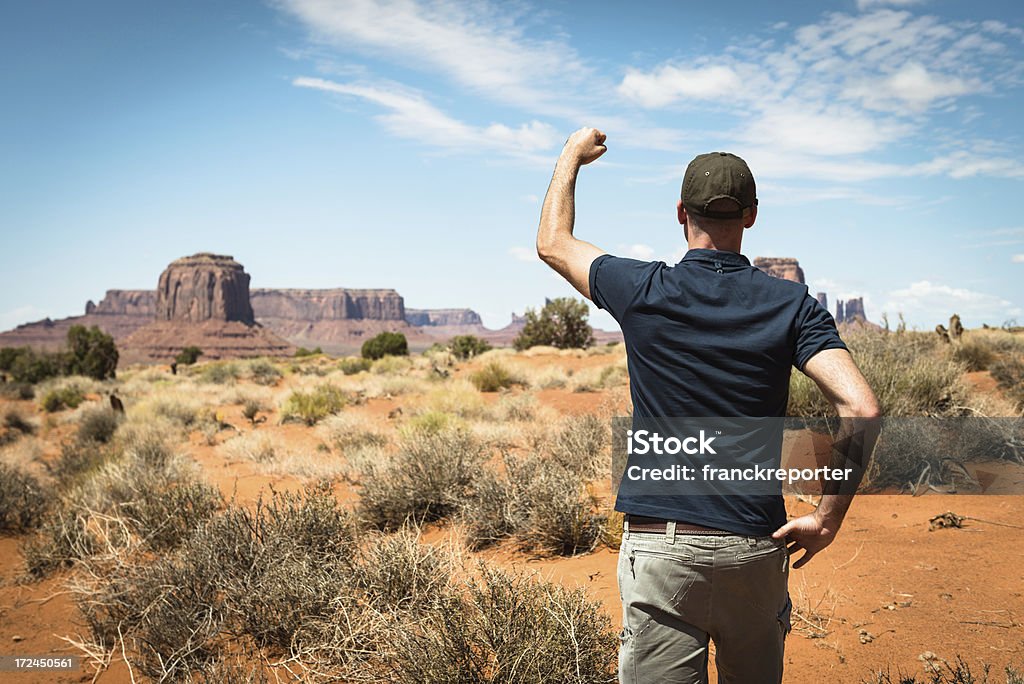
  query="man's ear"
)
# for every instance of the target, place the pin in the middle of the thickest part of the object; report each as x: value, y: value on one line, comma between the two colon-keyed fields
x: 751, y: 218
x: 681, y: 212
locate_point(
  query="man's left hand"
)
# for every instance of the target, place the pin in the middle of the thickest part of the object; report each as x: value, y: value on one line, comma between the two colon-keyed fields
x: 808, y: 532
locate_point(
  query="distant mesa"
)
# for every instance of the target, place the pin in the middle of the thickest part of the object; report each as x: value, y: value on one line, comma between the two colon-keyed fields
x: 203, y: 301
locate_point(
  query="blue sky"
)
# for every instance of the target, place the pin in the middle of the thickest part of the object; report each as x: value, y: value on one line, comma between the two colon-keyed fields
x: 409, y: 144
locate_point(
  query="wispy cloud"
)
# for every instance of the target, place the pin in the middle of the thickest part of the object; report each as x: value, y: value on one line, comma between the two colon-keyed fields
x: 412, y: 116
x: 1017, y: 258
x: 523, y: 254
x: 478, y: 45
x: 872, y: 4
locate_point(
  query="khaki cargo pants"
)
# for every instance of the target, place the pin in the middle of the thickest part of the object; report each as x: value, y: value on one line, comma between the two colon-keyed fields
x: 680, y: 590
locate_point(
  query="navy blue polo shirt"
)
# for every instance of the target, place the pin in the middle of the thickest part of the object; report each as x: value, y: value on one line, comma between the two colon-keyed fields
x: 711, y: 336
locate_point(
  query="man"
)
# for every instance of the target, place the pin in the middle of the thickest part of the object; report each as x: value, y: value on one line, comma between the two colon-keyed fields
x: 711, y: 336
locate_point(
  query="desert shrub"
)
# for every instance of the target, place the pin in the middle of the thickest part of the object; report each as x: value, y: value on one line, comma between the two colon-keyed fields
x: 562, y: 323
x: 262, y: 372
x: 391, y: 365
x: 348, y: 432
x: 23, y: 500
x: 180, y: 410
x: 974, y: 353
x: 17, y: 390
x: 60, y: 398
x: 62, y: 539
x: 426, y: 480
x: 397, y: 572
x: 1009, y: 373
x: 251, y: 409
x: 957, y: 673
x: 492, y: 377
x: 91, y: 352
x: 188, y: 356
x: 255, y: 446
x: 579, y: 444
x: 385, y: 344
x: 467, y: 346
x: 98, y: 424
x: 351, y: 365
x: 14, y: 425
x: 510, y: 628
x: 302, y: 351
x: 220, y: 372
x: 522, y: 407
x: 908, y: 373
x: 431, y: 422
x: 168, y: 516
x: 8, y: 355
x: 78, y: 459
x: 312, y: 407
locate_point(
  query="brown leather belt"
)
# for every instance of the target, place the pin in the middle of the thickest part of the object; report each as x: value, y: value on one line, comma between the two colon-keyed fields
x: 640, y: 523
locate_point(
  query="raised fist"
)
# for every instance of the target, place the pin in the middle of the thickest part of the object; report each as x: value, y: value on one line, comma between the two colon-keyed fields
x: 585, y: 145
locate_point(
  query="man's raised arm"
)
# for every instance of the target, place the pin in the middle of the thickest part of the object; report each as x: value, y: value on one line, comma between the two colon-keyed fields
x: 842, y: 383
x: 556, y: 245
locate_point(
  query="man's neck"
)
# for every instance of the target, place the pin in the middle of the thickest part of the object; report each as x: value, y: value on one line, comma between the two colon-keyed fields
x: 705, y: 241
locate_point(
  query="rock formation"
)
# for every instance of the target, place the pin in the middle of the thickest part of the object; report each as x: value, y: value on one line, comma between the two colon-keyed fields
x: 786, y: 268
x: 204, y: 287
x: 124, y: 303
x: 823, y: 300
x: 330, y: 305
x: 203, y: 301
x: 850, y: 311
x: 442, y: 317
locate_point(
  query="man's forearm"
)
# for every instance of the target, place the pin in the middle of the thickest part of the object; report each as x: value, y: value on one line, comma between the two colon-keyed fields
x: 558, y: 216
x: 851, y: 450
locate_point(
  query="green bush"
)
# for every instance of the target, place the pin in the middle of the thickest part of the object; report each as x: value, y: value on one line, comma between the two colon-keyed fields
x: 188, y: 356
x: 492, y: 377
x: 302, y: 351
x: 351, y: 365
x: 467, y: 346
x: 58, y: 399
x: 312, y: 407
x: 561, y: 323
x: 385, y: 344
x: 91, y: 352
x: 33, y: 367
x: 220, y: 372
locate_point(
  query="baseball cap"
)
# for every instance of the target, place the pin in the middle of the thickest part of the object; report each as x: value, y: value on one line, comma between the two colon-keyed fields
x: 715, y: 176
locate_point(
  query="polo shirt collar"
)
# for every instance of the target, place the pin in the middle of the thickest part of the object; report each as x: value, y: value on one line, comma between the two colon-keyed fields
x: 716, y: 255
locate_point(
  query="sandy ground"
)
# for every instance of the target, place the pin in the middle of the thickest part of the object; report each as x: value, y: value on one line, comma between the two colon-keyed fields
x: 887, y: 592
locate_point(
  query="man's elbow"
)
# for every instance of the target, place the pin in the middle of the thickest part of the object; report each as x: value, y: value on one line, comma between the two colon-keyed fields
x: 548, y: 251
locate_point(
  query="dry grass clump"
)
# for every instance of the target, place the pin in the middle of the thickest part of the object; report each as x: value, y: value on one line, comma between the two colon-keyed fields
x: 507, y: 627
x: 98, y: 424
x: 391, y: 365
x: 974, y: 353
x: 178, y: 407
x: 219, y: 372
x: 14, y: 425
x: 542, y: 499
x: 23, y: 500
x: 457, y: 398
x: 259, y: 447
x: 69, y: 396
x: 346, y: 432
x: 910, y: 375
x: 351, y: 365
x: 263, y: 372
x: 427, y: 478
x: 596, y: 379
x: 1009, y: 373
x: 313, y: 406
x: 493, y: 377
x: 397, y: 572
x: 943, y: 672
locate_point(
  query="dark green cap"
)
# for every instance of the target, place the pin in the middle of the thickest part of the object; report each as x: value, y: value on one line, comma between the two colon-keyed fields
x: 715, y: 176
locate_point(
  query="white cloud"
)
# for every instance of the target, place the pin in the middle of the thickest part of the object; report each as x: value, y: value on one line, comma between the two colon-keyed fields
x: 478, y: 45
x: 523, y: 254
x: 1017, y: 258
x: 871, y: 4
x: 639, y: 251
x: 925, y: 300
x: 669, y: 83
x: 913, y: 86
x: 412, y: 116
x: 530, y: 199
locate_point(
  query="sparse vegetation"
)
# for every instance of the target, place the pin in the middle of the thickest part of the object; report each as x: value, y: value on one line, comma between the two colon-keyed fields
x: 955, y: 673
x: 188, y: 356
x: 312, y: 407
x: 98, y: 424
x: 492, y: 378
x: 23, y: 500
x: 562, y: 323
x: 59, y: 398
x: 302, y: 351
x: 263, y: 372
x: 350, y: 365
x: 91, y: 352
x: 385, y: 344
x: 465, y: 347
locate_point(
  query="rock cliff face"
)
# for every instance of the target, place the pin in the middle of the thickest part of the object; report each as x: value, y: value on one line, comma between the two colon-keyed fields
x: 850, y: 311
x: 203, y: 301
x: 204, y: 287
x: 781, y: 267
x: 124, y: 303
x: 333, y: 304
x: 442, y: 317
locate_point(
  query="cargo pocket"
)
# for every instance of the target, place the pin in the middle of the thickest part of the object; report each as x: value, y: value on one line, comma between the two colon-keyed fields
x: 785, y: 617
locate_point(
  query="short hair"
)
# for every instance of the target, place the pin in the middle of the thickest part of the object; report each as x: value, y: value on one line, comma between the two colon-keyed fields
x: 714, y: 225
